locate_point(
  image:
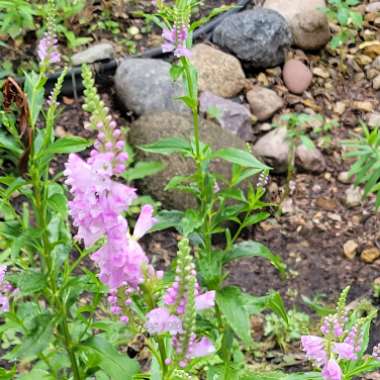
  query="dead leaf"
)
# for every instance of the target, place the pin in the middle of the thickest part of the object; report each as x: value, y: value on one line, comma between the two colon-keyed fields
x: 13, y: 94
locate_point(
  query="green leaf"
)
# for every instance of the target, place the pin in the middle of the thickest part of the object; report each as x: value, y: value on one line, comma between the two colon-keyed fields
x: 307, y: 142
x: 31, y: 282
x: 168, y: 146
x: 143, y: 169
x: 58, y: 203
x: 8, y: 143
x: 68, y: 144
x: 343, y: 16
x: 232, y: 306
x: 276, y: 304
x: 116, y: 365
x: 175, y: 72
x: 254, y: 249
x: 35, y: 374
x: 240, y: 157
x: 167, y: 219
x: 190, y: 102
x: 38, y: 340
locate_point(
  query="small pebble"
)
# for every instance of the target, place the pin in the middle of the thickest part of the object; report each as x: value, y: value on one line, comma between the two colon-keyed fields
x: 297, y: 76
x: 350, y: 248
x: 369, y: 255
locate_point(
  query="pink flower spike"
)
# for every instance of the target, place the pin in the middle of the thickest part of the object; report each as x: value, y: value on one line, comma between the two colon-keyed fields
x: 205, y: 300
x: 332, y: 371
x: 144, y: 222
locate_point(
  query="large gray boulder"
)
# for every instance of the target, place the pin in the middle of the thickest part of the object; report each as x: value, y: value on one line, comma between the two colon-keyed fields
x: 153, y: 127
x: 144, y: 86
x: 259, y: 37
x: 306, y: 19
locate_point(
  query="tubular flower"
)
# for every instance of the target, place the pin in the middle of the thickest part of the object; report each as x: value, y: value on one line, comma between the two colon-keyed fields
x: 332, y: 371
x: 175, y: 41
x: 6, y: 290
x: 376, y: 352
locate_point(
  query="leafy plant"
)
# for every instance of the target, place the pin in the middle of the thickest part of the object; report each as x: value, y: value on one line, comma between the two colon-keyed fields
x: 366, y: 169
x: 16, y: 17
x: 349, y: 21
x: 285, y: 333
x: 296, y: 132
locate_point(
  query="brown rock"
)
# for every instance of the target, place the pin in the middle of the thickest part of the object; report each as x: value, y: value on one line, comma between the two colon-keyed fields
x: 369, y: 255
x: 311, y: 160
x: 309, y: 25
x: 219, y: 72
x: 350, y: 248
x: 297, y: 76
x: 155, y: 126
x: 264, y: 102
x: 326, y: 204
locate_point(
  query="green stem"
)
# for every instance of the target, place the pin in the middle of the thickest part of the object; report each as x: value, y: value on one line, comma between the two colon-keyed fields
x: 54, y: 298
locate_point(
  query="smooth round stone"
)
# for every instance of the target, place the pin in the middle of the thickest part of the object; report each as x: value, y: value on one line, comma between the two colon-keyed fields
x: 297, y: 76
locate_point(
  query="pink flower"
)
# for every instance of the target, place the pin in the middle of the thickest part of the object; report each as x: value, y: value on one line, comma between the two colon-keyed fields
x: 314, y: 348
x: 345, y: 351
x: 205, y: 300
x: 160, y: 321
x: 332, y: 371
x: 203, y: 347
x: 47, y: 49
x: 175, y: 41
x: 144, y: 222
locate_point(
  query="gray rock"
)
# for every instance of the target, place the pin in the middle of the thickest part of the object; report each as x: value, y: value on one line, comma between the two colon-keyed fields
x: 310, y: 160
x: 232, y: 116
x: 218, y: 72
x: 273, y: 148
x: 264, y: 102
x: 353, y: 196
x: 144, y: 85
x: 373, y: 7
x: 376, y: 83
x: 309, y: 25
x: 150, y: 128
x: 259, y: 37
x: 94, y: 53
x: 374, y: 120
x: 344, y: 177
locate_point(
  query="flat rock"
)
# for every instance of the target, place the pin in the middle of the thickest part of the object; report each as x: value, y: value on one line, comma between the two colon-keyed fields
x: 309, y: 25
x: 218, y: 72
x: 264, y: 102
x: 153, y: 127
x: 297, y: 76
x: 369, y: 255
x: 232, y: 116
x: 144, y: 86
x: 259, y: 37
x: 94, y: 53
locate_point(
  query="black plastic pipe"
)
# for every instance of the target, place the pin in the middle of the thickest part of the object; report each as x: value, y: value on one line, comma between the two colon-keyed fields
x: 73, y: 83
